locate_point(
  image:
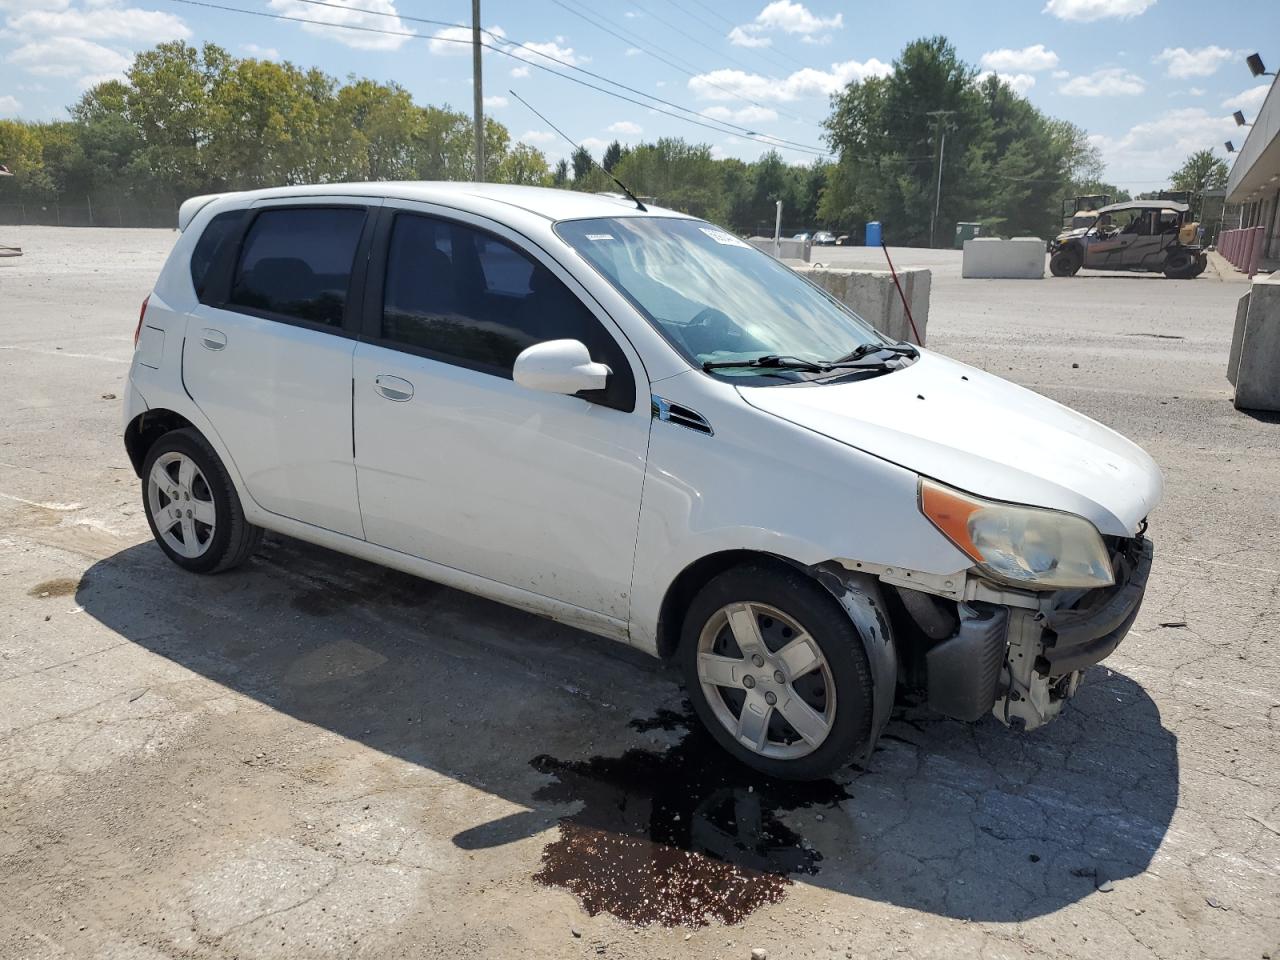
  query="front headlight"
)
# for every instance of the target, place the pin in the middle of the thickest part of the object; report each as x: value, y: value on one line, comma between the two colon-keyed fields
x: 1031, y: 546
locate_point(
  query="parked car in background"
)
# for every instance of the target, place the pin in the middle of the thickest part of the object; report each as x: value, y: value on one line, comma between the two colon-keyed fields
x: 824, y: 238
x: 802, y: 236
x: 633, y: 422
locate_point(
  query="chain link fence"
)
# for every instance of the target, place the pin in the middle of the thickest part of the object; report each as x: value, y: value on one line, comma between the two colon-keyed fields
x: 87, y: 213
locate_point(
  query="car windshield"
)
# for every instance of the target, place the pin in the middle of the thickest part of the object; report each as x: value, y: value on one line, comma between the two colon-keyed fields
x: 717, y: 298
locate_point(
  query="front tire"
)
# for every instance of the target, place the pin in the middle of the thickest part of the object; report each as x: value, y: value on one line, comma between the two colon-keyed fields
x: 777, y: 672
x: 192, y: 506
x: 1064, y: 263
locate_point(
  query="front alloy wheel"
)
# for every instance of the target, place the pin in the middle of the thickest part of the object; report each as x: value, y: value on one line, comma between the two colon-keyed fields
x: 777, y: 671
x: 766, y: 680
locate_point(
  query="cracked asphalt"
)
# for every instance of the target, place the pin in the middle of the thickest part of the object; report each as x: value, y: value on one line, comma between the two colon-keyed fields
x: 313, y: 757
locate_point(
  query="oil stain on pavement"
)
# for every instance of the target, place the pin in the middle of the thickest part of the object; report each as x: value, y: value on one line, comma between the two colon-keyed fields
x: 680, y: 837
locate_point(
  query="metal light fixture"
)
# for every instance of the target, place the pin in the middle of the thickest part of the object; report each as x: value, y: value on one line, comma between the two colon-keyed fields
x: 1240, y: 120
x: 1256, y: 66
x: 1231, y: 147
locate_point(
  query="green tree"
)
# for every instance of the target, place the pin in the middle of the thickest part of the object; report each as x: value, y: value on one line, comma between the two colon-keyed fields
x: 582, y: 163
x: 612, y: 154
x: 560, y: 176
x: 1200, y: 171
x: 524, y: 164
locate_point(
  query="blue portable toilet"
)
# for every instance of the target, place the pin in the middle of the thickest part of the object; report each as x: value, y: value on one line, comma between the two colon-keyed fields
x: 873, y: 233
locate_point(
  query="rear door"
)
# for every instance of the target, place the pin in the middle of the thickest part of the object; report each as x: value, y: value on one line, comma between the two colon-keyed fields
x: 268, y: 355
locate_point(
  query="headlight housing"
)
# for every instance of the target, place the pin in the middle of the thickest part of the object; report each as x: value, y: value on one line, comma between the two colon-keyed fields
x: 1024, y: 546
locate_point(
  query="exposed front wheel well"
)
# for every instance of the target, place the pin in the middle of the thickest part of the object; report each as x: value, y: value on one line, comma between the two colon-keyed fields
x: 692, y: 579
x: 145, y: 429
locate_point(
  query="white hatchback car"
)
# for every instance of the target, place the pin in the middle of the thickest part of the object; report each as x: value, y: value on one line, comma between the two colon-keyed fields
x: 630, y: 421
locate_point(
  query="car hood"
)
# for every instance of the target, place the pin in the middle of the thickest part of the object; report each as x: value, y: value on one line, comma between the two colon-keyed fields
x: 984, y: 435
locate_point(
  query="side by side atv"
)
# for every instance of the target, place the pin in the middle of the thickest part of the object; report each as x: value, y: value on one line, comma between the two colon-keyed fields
x: 1153, y: 236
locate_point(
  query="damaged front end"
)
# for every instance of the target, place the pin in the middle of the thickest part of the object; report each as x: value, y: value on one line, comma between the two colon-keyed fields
x: 972, y: 647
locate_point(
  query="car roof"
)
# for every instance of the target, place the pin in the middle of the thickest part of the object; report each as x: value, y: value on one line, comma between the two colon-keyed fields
x: 1146, y: 205
x: 481, y: 198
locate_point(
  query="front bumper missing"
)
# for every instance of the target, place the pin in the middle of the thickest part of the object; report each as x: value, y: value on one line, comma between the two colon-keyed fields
x: 1023, y: 662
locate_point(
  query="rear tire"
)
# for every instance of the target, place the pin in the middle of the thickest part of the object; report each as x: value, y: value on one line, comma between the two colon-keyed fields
x: 777, y: 672
x: 1180, y: 265
x: 1064, y: 263
x: 192, y: 506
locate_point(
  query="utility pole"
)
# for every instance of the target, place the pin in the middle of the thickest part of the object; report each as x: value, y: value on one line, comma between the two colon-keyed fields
x: 477, y: 89
x: 939, y: 134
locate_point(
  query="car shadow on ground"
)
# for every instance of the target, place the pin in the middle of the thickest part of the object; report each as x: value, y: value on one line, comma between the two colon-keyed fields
x: 962, y: 820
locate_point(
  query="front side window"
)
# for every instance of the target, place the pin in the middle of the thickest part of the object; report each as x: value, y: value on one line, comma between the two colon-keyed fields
x: 464, y: 296
x: 296, y: 262
x: 715, y: 297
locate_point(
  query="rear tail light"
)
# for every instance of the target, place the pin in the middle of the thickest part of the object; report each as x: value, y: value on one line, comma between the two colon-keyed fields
x: 137, y: 331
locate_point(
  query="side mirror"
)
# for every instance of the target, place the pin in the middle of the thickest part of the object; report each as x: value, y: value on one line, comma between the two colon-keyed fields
x: 559, y: 366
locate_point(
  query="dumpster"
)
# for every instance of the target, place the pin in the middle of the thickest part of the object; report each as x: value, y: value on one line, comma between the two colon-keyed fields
x: 966, y: 231
x: 873, y: 233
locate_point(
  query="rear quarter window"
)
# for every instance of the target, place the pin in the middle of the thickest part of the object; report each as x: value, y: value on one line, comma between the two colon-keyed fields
x: 207, y: 248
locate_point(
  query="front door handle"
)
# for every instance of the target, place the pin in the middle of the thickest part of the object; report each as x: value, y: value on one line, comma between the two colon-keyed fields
x: 393, y: 388
x: 213, y: 339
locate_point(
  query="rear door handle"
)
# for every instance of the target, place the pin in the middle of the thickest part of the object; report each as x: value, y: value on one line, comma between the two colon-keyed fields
x: 393, y: 388
x: 213, y: 339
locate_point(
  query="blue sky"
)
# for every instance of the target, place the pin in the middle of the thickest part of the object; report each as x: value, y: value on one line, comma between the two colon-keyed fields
x: 1150, y: 80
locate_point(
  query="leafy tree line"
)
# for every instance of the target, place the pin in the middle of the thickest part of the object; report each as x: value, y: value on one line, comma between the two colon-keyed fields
x: 186, y: 121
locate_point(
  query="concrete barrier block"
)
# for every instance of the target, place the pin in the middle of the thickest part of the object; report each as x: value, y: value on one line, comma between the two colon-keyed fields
x: 1237, y: 338
x: 788, y: 249
x: 988, y: 258
x: 872, y: 295
x: 1258, y: 368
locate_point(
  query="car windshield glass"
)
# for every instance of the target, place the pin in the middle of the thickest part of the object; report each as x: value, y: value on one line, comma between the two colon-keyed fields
x: 717, y: 298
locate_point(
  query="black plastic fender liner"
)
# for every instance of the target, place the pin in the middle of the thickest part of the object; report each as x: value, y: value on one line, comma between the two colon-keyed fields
x: 964, y: 671
x: 862, y: 598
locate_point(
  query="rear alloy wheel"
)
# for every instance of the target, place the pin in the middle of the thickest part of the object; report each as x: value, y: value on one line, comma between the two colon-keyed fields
x: 1064, y: 263
x: 192, y: 506
x: 777, y: 672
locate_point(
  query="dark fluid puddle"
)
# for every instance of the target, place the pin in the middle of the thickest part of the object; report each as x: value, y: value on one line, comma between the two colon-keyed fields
x: 679, y: 838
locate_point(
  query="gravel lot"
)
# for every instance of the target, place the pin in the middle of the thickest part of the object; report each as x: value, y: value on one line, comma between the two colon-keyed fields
x: 311, y: 757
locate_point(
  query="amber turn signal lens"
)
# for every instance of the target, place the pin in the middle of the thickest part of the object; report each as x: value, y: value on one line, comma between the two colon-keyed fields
x: 950, y: 513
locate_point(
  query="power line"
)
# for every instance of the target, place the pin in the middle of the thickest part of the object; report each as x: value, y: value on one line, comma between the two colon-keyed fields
x: 689, y: 72
x: 777, y: 55
x: 709, y: 124
x: 497, y: 40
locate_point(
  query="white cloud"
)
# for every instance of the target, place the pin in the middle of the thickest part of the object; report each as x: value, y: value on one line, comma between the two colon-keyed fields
x: 1020, y: 82
x: 634, y: 51
x: 519, y: 72
x: 749, y: 114
x: 594, y: 144
x: 1202, y: 62
x: 626, y: 127
x: 8, y: 6
x: 456, y: 41
x: 1250, y: 99
x: 784, y: 16
x: 726, y: 84
x: 1109, y: 82
x: 1061, y: 74
x: 537, y: 136
x: 262, y: 53
x: 102, y: 21
x: 739, y: 37
x: 495, y: 103
x: 349, y: 13
x: 69, y: 57
x: 1085, y: 11
x: 1027, y: 60
x: 1150, y: 150
x: 1196, y: 91
x: 9, y: 106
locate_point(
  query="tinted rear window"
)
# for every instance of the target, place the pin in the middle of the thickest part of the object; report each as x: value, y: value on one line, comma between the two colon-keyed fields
x: 216, y: 231
x: 296, y: 262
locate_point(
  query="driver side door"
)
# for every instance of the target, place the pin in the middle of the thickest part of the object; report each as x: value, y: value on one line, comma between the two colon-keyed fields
x: 458, y: 464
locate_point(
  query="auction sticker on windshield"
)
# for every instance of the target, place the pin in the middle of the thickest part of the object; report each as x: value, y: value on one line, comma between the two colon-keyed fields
x: 719, y: 236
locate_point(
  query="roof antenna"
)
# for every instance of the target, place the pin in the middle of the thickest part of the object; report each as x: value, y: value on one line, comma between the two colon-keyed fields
x: 634, y: 199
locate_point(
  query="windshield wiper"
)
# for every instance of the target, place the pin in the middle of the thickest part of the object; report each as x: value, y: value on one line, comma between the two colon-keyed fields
x: 768, y: 360
x: 866, y: 349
